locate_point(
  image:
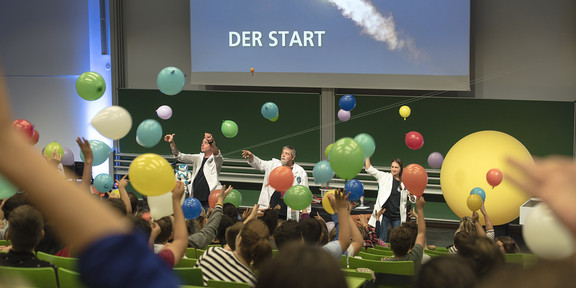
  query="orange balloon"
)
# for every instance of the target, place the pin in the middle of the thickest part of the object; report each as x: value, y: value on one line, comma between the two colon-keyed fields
x: 281, y: 178
x: 213, y: 198
x: 415, y: 179
x: 494, y: 177
x: 474, y: 202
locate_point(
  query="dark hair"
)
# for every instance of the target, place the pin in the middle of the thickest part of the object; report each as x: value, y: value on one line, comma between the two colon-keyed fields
x: 508, y: 243
x: 141, y: 225
x: 118, y: 205
x: 25, y: 229
x: 401, y: 164
x: 450, y: 271
x: 231, y: 234
x: 461, y: 237
x: 325, y: 234
x: 311, y: 230
x: 13, y: 202
x: 230, y: 210
x: 165, y: 224
x: 302, y: 266
x: 286, y: 233
x: 254, y: 246
x: 133, y: 201
x: 225, y: 222
x: 400, y: 239
x: 413, y: 227
x: 485, y: 255
x: 270, y: 218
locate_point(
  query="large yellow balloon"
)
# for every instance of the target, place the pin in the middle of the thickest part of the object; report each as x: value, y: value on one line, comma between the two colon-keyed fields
x: 326, y: 203
x: 151, y: 175
x: 465, y: 166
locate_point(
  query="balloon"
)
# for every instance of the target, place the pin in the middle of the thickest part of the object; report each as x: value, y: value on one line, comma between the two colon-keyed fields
x: 192, y: 208
x: 100, y: 150
x: 474, y: 202
x: 68, y: 158
x: 164, y: 112
x: 234, y: 197
x: 149, y: 133
x: 51, y: 147
x: 367, y: 143
x: 404, y: 111
x: 343, y: 115
x: 298, y: 197
x: 35, y: 137
x: 113, y: 122
x: 480, y: 192
x: 275, y: 118
x: 103, y: 183
x: 435, y: 160
x: 346, y: 158
x: 465, y: 167
x: 24, y: 126
x: 229, y: 128
x: 115, y: 192
x: 414, y: 140
x: 151, y: 175
x: 347, y: 102
x: 415, y: 179
x: 170, y: 80
x: 213, y: 198
x: 326, y: 203
x: 494, y: 177
x: 7, y: 190
x: 545, y: 235
x: 322, y: 172
x: 269, y: 110
x: 327, y: 150
x: 355, y: 188
x: 90, y: 86
x: 161, y: 205
x: 281, y: 178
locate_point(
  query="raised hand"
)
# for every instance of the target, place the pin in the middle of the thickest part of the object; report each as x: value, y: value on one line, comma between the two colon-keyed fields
x: 248, y: 155
x: 169, y: 138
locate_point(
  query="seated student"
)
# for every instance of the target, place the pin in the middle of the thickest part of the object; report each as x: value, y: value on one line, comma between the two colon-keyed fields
x: 449, y: 271
x: 225, y: 223
x: 372, y: 239
x: 286, y: 233
x: 400, y: 239
x: 25, y: 232
x: 472, y: 226
x: 484, y: 254
x: 270, y: 218
x: 507, y: 244
x: 252, y: 247
x: 413, y: 227
x: 231, y: 234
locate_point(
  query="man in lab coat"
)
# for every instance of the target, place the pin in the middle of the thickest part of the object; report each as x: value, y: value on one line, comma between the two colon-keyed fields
x: 268, y: 195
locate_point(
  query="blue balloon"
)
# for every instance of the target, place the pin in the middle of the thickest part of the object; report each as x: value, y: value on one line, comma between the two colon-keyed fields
x: 103, y: 183
x: 322, y: 172
x: 355, y: 188
x: 347, y: 102
x: 269, y: 110
x: 192, y: 208
x: 100, y: 151
x: 480, y: 192
x: 149, y: 133
x: 170, y: 80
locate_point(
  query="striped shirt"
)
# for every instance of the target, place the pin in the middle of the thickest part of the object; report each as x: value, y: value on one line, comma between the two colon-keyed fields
x: 220, y: 264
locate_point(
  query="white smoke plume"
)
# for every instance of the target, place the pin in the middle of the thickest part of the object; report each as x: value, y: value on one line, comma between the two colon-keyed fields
x: 379, y: 27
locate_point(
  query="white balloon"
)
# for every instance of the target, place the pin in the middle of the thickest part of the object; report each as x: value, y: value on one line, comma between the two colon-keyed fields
x: 545, y: 235
x: 160, y: 206
x: 113, y: 122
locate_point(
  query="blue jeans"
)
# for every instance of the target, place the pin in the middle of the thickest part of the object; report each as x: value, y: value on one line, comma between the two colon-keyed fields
x: 384, y: 227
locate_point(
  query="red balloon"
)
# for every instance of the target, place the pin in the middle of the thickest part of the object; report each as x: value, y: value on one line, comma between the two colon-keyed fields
x: 213, y: 198
x: 26, y: 127
x: 414, y: 140
x: 35, y: 137
x: 494, y: 177
x: 281, y: 178
x: 415, y: 179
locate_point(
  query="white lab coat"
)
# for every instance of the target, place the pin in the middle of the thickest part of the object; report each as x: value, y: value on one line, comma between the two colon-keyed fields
x: 300, y: 178
x: 211, y: 168
x: 385, y: 181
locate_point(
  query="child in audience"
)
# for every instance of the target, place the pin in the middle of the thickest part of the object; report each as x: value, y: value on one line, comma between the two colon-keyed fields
x: 507, y: 244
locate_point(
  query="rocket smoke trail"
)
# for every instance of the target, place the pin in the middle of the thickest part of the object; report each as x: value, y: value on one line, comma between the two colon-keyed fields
x: 379, y: 27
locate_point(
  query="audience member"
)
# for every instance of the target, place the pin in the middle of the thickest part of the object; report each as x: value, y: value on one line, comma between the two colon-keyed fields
x: 401, y: 238
x: 448, y: 271
x: 507, y: 244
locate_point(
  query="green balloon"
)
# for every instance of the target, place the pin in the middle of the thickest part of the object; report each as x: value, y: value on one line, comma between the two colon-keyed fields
x: 6, y: 188
x: 346, y: 158
x: 298, y: 197
x: 229, y: 128
x: 235, y: 197
x: 54, y: 146
x: 327, y: 150
x: 90, y: 86
x: 367, y: 143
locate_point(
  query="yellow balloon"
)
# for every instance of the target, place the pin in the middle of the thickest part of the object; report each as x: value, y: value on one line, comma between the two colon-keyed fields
x: 465, y: 166
x: 404, y: 111
x: 326, y: 202
x: 151, y: 175
x: 474, y: 202
x: 327, y: 150
x: 116, y: 192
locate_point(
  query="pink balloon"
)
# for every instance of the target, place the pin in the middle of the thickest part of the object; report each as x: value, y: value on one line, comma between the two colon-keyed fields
x: 164, y: 112
x: 343, y: 115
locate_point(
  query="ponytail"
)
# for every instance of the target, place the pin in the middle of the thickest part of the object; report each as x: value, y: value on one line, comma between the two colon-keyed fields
x: 255, y: 247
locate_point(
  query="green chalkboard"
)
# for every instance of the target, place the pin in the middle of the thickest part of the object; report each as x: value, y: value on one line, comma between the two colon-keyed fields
x: 544, y: 127
x: 196, y: 112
